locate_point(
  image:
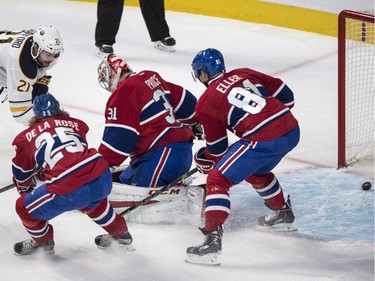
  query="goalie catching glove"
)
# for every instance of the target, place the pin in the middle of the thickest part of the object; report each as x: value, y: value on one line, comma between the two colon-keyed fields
x: 41, y: 86
x: 203, y: 164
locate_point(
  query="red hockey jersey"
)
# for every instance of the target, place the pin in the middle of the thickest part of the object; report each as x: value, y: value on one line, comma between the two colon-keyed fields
x: 143, y: 113
x: 57, y: 148
x: 252, y: 105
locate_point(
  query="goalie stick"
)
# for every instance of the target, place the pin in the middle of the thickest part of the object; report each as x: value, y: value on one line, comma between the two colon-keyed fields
x: 5, y: 188
x: 159, y: 191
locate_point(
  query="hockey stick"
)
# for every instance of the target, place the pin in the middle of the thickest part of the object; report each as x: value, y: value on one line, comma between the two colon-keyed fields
x: 163, y: 189
x: 159, y: 191
x: 5, y: 188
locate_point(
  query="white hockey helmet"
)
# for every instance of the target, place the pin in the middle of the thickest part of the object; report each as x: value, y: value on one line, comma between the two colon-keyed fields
x: 48, y: 39
x: 110, y: 70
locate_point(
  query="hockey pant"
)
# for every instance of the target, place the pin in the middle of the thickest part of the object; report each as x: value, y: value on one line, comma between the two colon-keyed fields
x: 36, y: 208
x: 250, y: 161
x: 160, y: 166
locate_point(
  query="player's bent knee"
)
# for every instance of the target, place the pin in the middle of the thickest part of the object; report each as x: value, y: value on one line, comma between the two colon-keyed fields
x: 260, y: 181
x: 20, y: 206
x: 216, y: 179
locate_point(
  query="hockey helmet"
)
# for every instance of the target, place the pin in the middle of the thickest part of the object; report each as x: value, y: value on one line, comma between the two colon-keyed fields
x: 45, y: 106
x: 211, y: 61
x: 110, y: 70
x: 48, y: 39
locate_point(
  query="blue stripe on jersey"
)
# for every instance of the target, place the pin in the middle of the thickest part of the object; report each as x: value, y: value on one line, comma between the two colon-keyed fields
x: 28, y: 65
x: 285, y: 95
x: 21, y: 175
x: 156, y: 108
x: 272, y: 188
x: 217, y: 202
x: 219, y: 147
x: 120, y: 138
x: 39, y: 232
x: 235, y: 115
x: 262, y: 90
x: 186, y: 108
x: 105, y: 218
x: 151, y: 111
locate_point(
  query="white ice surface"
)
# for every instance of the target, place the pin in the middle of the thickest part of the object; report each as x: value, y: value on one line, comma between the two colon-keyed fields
x: 335, y: 240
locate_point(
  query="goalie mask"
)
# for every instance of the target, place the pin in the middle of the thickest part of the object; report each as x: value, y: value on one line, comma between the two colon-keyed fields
x: 47, y: 42
x: 110, y: 70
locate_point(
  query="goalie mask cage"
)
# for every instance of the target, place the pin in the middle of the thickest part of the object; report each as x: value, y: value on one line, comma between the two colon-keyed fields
x: 355, y: 87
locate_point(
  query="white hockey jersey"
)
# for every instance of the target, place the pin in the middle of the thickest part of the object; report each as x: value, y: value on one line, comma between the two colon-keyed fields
x: 18, y: 72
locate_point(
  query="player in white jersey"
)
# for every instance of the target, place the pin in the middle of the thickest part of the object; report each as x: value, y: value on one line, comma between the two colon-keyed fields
x: 24, y: 58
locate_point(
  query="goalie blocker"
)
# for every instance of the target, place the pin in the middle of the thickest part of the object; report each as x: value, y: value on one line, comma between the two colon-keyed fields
x: 178, y: 204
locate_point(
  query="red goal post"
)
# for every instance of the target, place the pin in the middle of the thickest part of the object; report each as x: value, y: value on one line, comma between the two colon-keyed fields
x: 356, y: 86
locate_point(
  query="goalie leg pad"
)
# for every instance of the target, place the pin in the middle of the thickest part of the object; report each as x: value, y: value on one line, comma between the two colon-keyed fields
x: 168, y: 207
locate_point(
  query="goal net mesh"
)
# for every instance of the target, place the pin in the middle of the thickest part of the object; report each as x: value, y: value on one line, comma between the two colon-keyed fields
x: 358, y: 90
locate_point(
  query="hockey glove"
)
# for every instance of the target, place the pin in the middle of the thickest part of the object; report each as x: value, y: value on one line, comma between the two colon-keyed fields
x: 28, y: 189
x: 203, y: 164
x: 116, y: 172
x: 197, y: 131
x: 41, y: 86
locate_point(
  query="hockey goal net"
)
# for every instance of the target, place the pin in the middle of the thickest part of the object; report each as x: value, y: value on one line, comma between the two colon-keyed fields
x: 356, y: 87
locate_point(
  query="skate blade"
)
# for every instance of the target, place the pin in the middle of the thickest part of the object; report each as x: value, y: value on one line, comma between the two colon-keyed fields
x: 209, y: 259
x: 38, y: 252
x: 282, y: 227
x: 129, y: 248
x: 113, y: 246
x: 169, y: 49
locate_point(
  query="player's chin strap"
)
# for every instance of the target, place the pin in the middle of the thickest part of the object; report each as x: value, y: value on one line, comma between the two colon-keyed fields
x: 159, y: 191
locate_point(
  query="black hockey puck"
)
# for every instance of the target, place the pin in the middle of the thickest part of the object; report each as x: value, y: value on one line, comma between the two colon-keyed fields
x: 366, y: 185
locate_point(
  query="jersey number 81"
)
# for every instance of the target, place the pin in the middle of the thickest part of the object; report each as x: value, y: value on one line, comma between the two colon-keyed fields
x: 246, y: 99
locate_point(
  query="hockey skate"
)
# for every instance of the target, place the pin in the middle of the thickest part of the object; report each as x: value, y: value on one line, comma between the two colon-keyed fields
x: 167, y: 44
x: 30, y: 246
x: 103, y: 51
x: 278, y: 220
x: 207, y: 253
x: 124, y: 240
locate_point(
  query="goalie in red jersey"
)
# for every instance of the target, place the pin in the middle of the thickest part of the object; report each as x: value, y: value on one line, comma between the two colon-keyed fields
x: 256, y: 108
x: 74, y: 177
x: 150, y: 122
x: 147, y: 120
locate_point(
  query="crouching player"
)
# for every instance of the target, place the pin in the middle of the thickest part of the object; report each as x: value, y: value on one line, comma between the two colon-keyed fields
x: 54, y: 149
x: 256, y: 108
x: 149, y: 121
